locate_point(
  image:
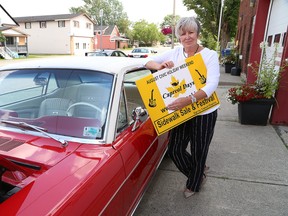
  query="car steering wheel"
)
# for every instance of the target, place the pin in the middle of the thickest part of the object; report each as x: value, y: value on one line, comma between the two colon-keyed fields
x: 81, y: 104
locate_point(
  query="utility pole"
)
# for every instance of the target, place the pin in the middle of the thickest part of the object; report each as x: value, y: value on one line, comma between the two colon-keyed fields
x: 101, y: 17
x: 173, y: 26
x: 219, y: 27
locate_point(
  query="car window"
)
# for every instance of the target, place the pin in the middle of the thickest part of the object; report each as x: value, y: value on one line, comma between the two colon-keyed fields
x: 121, y: 54
x: 65, y: 102
x: 133, y: 97
x: 96, y: 54
x: 140, y: 50
x: 101, y: 54
x: 135, y: 75
x: 136, y: 51
x: 19, y: 86
x: 122, y: 119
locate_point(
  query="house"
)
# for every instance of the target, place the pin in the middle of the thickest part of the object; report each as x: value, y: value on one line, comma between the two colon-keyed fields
x: 70, y: 34
x: 14, y: 42
x: 265, y: 20
x: 109, y: 39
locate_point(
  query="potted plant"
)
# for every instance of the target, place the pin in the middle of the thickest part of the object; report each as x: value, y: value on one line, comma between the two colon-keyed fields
x: 255, y: 100
x: 236, y: 70
x: 229, y: 61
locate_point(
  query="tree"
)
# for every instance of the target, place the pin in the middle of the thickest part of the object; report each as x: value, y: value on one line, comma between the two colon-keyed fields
x: 112, y: 13
x: 2, y: 38
x: 147, y: 34
x: 208, y: 13
x: 168, y: 20
x: 123, y: 25
x: 76, y: 10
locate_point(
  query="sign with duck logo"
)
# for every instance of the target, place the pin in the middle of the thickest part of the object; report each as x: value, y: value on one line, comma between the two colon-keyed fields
x: 163, y: 87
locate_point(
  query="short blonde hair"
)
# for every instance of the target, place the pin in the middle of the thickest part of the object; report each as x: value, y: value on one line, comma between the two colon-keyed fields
x: 187, y: 24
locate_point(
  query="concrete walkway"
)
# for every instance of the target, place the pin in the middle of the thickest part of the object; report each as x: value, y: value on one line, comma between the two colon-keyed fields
x: 248, y: 172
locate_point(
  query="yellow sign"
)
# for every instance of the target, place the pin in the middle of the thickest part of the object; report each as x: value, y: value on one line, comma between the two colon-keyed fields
x: 163, y: 87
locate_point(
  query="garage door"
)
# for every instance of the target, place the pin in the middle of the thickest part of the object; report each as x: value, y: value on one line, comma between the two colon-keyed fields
x: 277, y: 26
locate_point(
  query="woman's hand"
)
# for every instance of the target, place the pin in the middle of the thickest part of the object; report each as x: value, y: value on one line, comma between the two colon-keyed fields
x: 179, y: 103
x: 152, y: 65
x: 167, y: 64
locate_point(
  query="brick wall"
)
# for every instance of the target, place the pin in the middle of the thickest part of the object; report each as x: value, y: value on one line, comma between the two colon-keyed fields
x: 245, y: 32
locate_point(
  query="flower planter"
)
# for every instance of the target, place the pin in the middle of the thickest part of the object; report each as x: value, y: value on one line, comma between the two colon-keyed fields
x: 255, y: 112
x: 228, y: 67
x: 235, y: 71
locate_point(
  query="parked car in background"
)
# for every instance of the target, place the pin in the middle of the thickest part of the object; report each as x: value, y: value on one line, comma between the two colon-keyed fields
x: 75, y: 137
x: 141, y: 52
x: 114, y: 53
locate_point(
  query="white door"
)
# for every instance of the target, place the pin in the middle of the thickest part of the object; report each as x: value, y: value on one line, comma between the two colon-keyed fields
x: 277, y: 27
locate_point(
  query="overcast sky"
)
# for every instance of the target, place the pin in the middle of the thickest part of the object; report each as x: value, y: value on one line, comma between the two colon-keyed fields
x: 150, y: 10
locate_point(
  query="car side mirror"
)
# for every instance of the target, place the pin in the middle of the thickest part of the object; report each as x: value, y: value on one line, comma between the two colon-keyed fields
x: 139, y: 114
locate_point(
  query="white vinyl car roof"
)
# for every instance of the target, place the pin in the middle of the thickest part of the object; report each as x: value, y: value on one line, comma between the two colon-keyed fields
x: 110, y: 65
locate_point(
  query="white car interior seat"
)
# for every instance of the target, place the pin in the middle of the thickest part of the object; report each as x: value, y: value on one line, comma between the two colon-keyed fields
x: 54, y: 107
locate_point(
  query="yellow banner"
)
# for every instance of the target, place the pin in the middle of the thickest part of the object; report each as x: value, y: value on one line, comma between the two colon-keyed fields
x: 163, y: 87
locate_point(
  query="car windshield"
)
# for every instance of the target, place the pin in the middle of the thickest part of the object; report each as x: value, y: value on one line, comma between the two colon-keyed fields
x: 97, y: 54
x: 140, y: 50
x: 65, y: 102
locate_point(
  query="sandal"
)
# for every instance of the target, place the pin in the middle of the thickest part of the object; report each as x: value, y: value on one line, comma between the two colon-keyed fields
x: 188, y: 193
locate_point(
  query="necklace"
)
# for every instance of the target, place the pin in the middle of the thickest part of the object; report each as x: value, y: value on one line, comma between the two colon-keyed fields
x: 186, y: 54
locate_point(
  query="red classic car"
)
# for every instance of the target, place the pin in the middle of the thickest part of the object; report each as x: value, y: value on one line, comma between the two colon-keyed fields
x: 75, y: 138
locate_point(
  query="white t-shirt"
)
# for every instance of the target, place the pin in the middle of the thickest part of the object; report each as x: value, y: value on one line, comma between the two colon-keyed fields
x: 210, y: 58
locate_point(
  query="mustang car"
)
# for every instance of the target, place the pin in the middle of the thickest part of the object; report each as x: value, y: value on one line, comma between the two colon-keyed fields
x: 75, y: 137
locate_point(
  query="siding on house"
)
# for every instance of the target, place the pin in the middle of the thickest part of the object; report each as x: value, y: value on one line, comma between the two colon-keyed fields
x: 58, y: 34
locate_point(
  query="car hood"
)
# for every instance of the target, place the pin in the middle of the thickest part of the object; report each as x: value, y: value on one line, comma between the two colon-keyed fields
x: 38, y: 153
x: 34, y: 167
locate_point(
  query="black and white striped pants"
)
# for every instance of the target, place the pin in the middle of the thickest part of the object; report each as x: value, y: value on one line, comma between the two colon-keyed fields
x: 199, y: 132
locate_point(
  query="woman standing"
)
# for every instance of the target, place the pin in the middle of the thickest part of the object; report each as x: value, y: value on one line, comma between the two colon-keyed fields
x: 198, y: 130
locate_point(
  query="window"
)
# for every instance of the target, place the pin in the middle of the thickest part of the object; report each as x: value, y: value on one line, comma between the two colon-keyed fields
x: 42, y: 24
x: 61, y: 24
x: 76, y: 24
x: 120, y: 54
x: 122, y: 119
x: 88, y: 25
x: 135, y: 75
x: 77, y: 45
x: 269, y: 41
x: 84, y: 45
x: 30, y: 84
x: 132, y: 95
x: 284, y: 38
x: 9, y: 40
x: 28, y: 25
x: 277, y: 38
